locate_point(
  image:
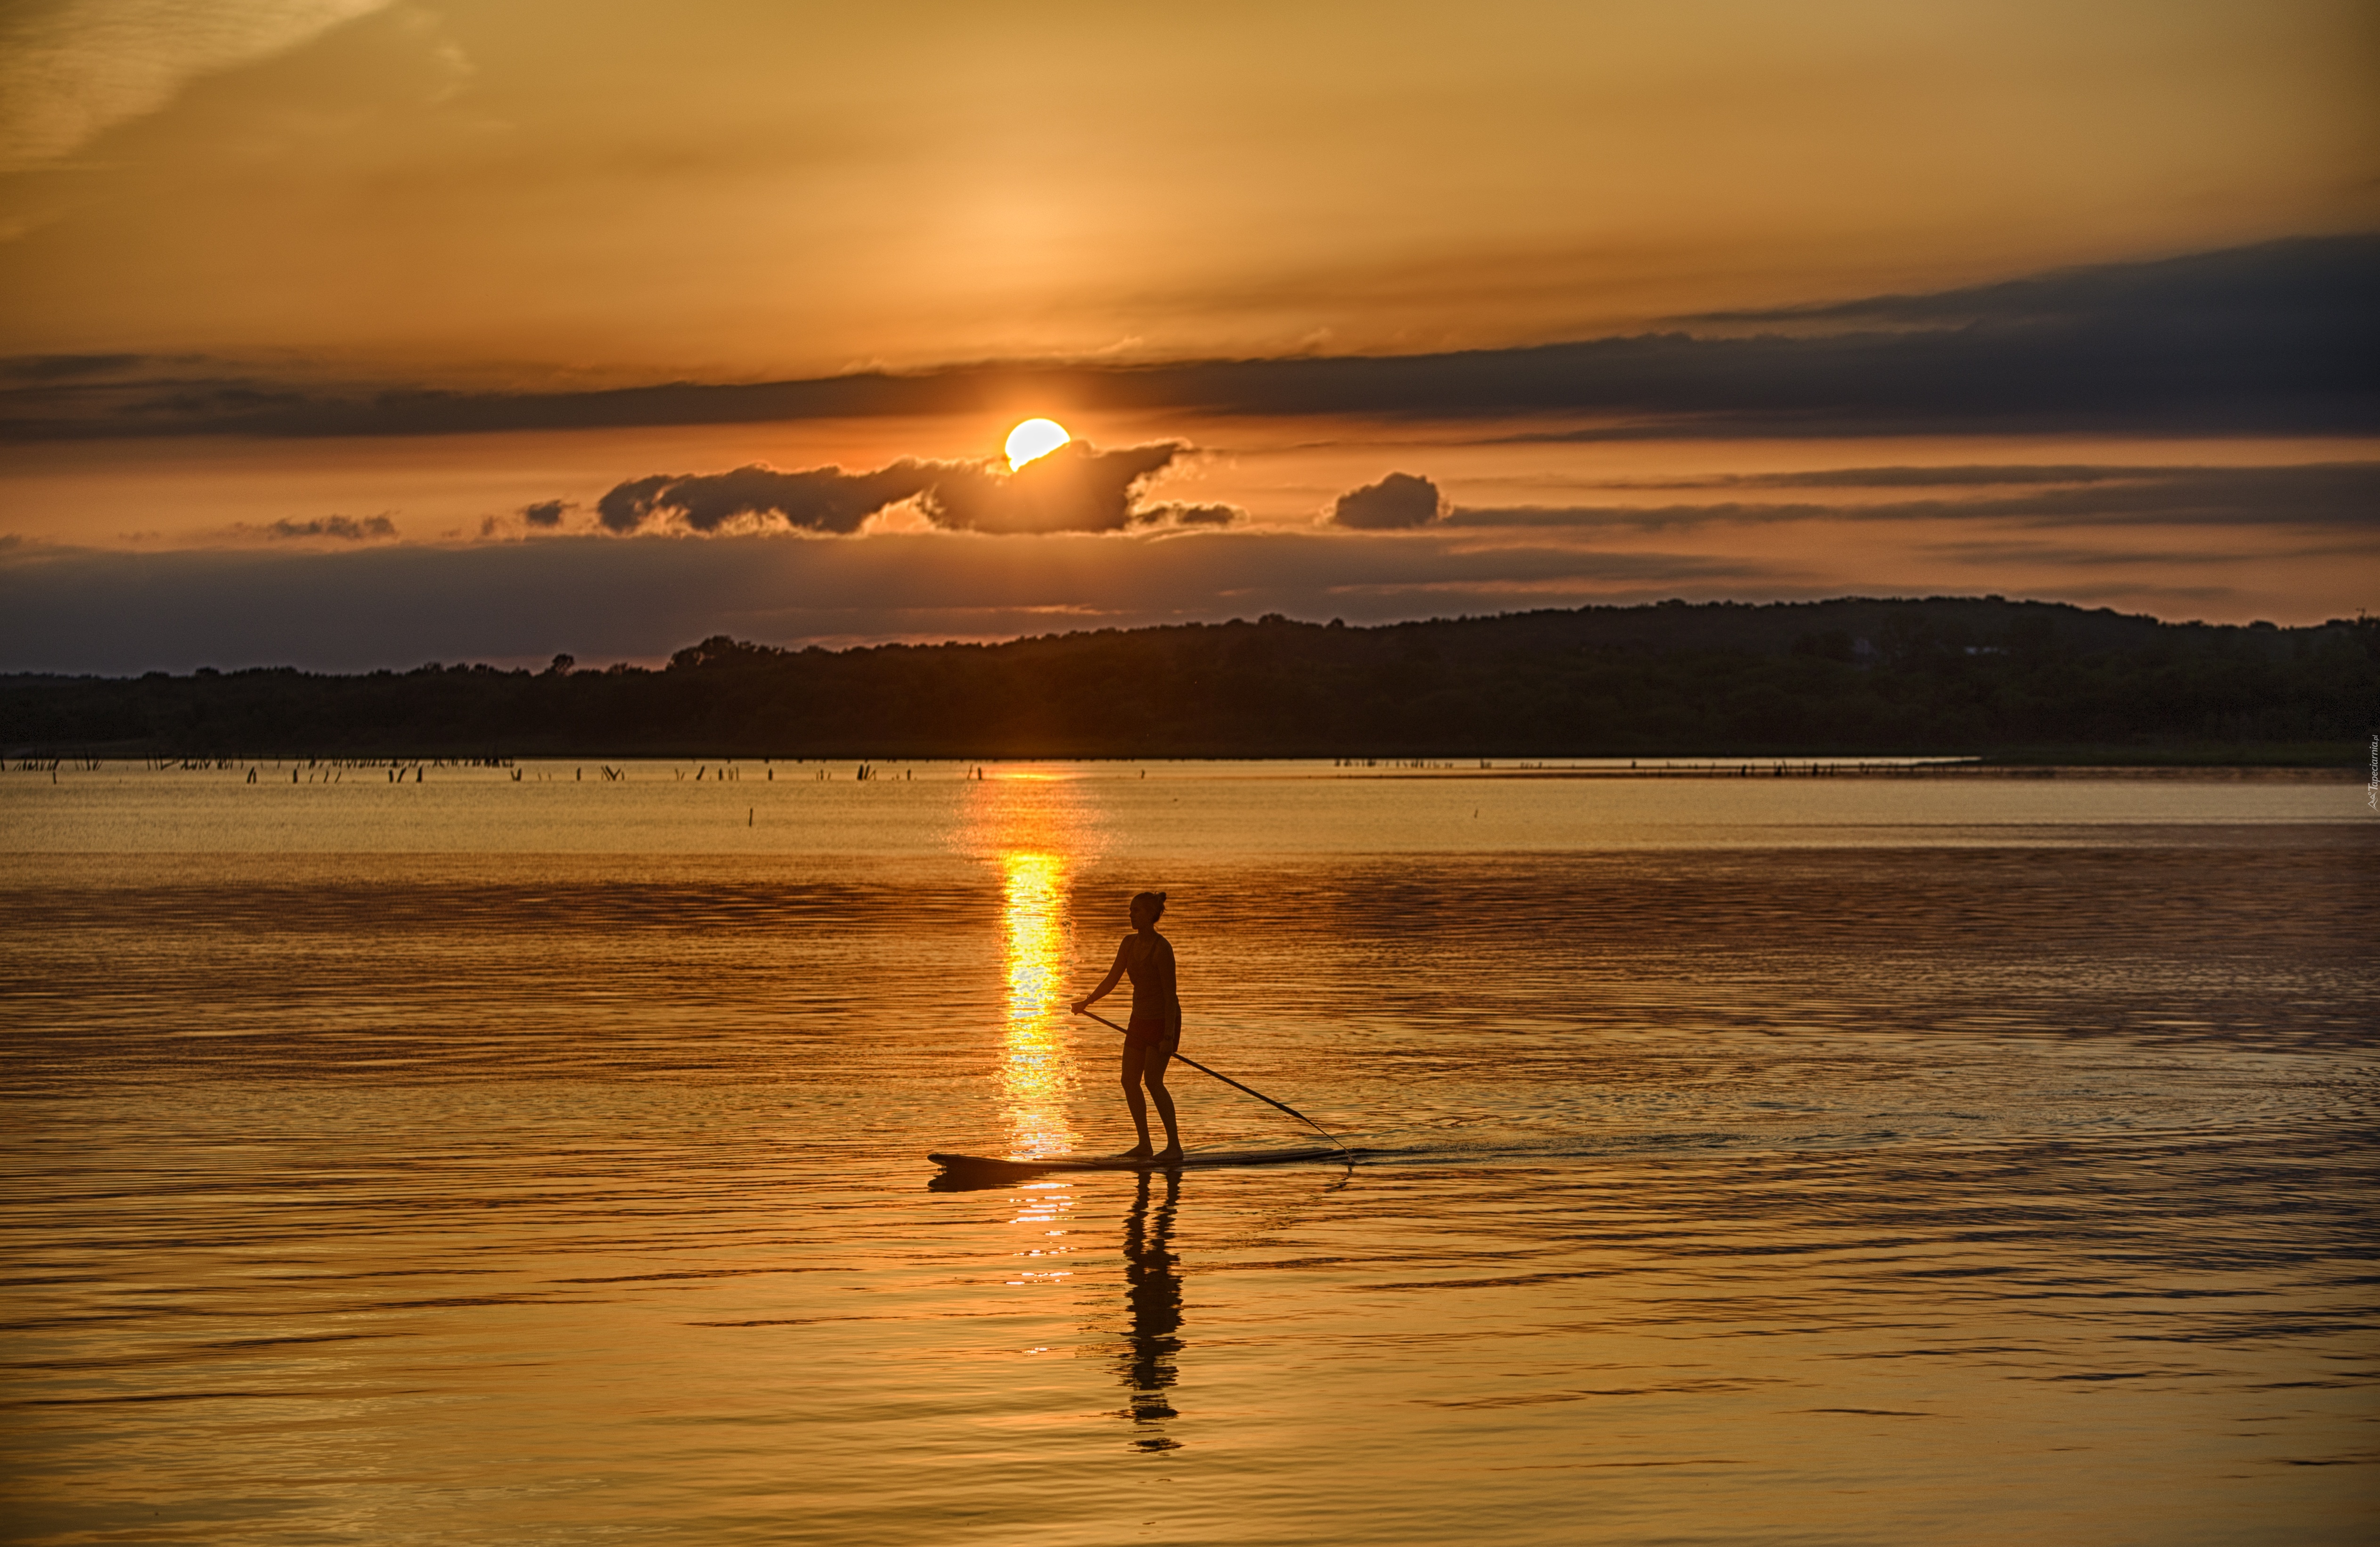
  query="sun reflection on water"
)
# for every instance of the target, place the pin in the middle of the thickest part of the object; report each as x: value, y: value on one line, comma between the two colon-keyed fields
x: 1037, y: 1063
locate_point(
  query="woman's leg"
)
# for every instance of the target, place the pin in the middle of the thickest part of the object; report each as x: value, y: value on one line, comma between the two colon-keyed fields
x: 1153, y: 1071
x: 1134, y: 1055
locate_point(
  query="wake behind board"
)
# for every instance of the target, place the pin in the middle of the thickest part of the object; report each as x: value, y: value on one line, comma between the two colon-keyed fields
x: 993, y: 1166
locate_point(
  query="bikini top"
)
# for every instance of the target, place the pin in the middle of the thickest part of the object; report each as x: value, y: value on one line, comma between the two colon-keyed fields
x: 1155, y: 992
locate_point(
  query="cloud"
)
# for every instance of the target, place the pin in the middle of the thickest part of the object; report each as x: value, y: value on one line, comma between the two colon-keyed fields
x: 1074, y: 489
x: 72, y: 69
x: 539, y: 516
x: 1188, y: 516
x: 818, y: 500
x: 2069, y: 555
x: 1898, y: 476
x: 1399, y: 500
x: 2272, y: 338
x: 2281, y: 284
x: 2343, y: 496
x: 345, y: 527
x: 1078, y: 488
x: 70, y: 367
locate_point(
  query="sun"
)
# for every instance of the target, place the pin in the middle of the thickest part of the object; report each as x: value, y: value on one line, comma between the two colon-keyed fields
x: 1034, y: 438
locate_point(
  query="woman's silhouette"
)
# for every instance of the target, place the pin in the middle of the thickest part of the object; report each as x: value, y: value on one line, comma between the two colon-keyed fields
x: 1156, y: 1028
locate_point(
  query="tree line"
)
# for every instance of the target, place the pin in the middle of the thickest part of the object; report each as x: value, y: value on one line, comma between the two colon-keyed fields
x: 1951, y: 675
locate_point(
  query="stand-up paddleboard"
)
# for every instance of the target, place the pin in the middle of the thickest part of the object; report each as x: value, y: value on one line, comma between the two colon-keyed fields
x: 993, y: 1165
x: 967, y: 1172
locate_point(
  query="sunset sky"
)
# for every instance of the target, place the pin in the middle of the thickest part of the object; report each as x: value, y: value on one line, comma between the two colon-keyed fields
x: 349, y: 334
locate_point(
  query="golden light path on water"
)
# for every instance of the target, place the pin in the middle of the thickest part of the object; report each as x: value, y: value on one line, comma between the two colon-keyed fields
x: 1036, y: 1065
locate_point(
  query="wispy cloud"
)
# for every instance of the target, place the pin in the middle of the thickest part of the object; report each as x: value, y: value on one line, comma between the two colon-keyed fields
x: 2278, y: 285
x: 539, y: 518
x: 72, y: 69
x: 2271, y: 339
x: 2343, y: 496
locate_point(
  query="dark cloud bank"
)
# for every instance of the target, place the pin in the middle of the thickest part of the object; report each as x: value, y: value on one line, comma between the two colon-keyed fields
x: 605, y: 598
x: 2281, y: 338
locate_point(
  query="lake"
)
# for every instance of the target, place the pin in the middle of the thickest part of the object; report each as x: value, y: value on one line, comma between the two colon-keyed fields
x: 536, y: 1154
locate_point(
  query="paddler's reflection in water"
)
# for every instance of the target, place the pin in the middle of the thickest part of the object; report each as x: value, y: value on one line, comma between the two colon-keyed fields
x: 1153, y: 1298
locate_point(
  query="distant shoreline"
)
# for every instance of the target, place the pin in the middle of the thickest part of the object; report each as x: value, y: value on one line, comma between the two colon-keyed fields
x: 1851, y: 683
x: 996, y: 767
x: 1854, y: 769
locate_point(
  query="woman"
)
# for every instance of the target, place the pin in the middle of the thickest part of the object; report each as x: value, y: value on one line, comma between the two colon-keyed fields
x: 1156, y: 1028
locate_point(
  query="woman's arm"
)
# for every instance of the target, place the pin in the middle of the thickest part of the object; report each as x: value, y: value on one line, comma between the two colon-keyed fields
x: 1096, y: 995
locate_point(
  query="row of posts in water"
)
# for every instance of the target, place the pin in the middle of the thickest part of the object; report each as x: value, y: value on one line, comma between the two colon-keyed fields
x: 334, y: 771
x: 395, y: 770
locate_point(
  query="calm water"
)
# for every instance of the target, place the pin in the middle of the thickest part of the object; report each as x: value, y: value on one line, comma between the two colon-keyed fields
x: 1743, y: 1161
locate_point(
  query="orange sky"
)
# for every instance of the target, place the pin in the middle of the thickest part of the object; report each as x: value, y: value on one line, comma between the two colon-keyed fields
x: 221, y: 239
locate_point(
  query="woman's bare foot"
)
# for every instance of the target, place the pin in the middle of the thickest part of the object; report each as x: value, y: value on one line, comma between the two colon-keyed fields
x: 1140, y: 1151
x: 1170, y: 1156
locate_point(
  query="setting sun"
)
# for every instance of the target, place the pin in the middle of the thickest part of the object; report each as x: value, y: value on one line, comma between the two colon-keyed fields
x: 1034, y: 438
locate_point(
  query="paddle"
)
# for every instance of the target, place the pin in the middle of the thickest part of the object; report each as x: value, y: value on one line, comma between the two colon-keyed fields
x: 1237, y: 1086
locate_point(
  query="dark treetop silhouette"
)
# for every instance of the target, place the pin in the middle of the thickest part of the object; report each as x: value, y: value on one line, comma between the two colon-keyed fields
x: 1946, y: 675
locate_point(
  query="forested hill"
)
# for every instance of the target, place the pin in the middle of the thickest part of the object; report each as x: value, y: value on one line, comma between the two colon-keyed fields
x: 1941, y: 675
